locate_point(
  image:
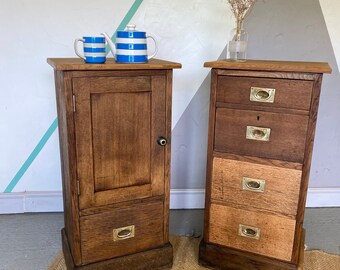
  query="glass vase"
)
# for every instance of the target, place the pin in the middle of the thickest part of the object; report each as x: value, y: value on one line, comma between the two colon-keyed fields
x: 238, y: 44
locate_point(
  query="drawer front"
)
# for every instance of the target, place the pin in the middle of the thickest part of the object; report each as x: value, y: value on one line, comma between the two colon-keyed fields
x: 258, y: 233
x: 261, y: 134
x: 121, y: 232
x: 283, y: 93
x: 256, y: 186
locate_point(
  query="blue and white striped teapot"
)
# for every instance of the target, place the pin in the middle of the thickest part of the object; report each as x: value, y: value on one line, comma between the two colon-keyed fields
x: 131, y: 46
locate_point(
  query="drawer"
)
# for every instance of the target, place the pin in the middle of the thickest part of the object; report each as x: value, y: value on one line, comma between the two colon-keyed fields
x: 275, y: 136
x: 283, y: 93
x: 256, y: 186
x: 258, y: 233
x: 121, y: 231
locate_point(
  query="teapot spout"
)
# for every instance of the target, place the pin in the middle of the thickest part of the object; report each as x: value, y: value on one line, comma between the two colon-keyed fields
x: 109, y: 41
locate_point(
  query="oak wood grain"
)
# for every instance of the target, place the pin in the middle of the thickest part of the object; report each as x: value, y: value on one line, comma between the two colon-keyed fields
x: 159, y: 258
x: 276, y: 236
x: 307, y: 161
x: 266, y: 74
x: 63, y: 87
x: 294, y: 120
x: 79, y: 64
x: 123, y: 160
x: 211, y: 132
x: 252, y: 107
x: 109, y: 149
x: 97, y: 231
x: 263, y: 65
x: 293, y: 94
x: 167, y: 155
x: 287, y: 136
x: 224, y: 258
x: 257, y: 160
x: 119, y: 148
x: 281, y: 188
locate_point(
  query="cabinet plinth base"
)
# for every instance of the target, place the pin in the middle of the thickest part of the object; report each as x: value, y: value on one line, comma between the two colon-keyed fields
x: 223, y: 258
x: 158, y: 259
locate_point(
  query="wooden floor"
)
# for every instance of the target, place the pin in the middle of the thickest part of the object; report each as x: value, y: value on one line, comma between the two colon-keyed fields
x: 31, y: 241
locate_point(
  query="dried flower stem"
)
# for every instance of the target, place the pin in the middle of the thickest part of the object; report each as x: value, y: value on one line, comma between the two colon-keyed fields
x: 240, y: 9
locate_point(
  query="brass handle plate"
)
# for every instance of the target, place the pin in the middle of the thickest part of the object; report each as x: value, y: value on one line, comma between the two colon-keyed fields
x: 259, y: 94
x: 252, y: 184
x: 258, y: 133
x: 124, y: 233
x: 249, y: 231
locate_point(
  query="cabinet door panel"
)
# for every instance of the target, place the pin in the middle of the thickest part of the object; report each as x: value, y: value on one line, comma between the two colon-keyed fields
x: 118, y: 156
x: 124, y: 142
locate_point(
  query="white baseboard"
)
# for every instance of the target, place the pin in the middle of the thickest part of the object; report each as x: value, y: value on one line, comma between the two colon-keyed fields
x: 187, y: 198
x: 31, y: 202
x: 12, y: 203
x: 323, y: 197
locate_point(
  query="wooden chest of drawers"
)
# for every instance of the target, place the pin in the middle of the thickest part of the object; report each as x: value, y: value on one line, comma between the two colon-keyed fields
x: 261, y: 132
x: 114, y: 129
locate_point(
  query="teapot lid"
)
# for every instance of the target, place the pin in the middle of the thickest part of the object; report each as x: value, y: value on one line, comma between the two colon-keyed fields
x: 131, y: 27
x: 130, y: 32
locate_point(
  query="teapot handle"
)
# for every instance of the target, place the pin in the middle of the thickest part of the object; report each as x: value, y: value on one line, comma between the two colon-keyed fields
x: 76, y: 47
x: 156, y: 48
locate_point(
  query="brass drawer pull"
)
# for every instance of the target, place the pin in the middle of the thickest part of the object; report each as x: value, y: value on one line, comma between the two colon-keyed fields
x: 259, y: 94
x: 124, y: 233
x: 258, y: 133
x: 249, y: 231
x: 251, y: 184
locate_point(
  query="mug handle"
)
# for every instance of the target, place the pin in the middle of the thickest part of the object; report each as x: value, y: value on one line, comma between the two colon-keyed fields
x: 76, y: 47
x: 156, y: 48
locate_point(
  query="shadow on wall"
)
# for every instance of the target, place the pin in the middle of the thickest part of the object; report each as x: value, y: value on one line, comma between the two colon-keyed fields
x: 278, y: 30
x: 189, y: 140
x: 296, y: 30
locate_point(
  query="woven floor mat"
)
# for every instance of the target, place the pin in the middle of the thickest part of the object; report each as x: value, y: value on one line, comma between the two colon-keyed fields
x: 186, y: 253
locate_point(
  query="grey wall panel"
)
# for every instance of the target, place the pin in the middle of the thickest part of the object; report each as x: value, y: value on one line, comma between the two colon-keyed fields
x: 278, y: 30
x: 296, y: 30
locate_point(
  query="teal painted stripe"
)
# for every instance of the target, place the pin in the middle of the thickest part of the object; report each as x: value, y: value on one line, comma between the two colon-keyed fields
x: 32, y: 156
x: 125, y: 21
x: 54, y: 125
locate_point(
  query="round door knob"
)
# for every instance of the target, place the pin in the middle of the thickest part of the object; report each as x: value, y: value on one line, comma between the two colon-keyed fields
x: 162, y: 141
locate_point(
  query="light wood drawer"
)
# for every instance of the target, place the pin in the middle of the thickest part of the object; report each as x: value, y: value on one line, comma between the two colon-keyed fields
x: 144, y: 223
x: 293, y: 94
x: 275, y: 236
x: 286, y: 140
x: 256, y: 186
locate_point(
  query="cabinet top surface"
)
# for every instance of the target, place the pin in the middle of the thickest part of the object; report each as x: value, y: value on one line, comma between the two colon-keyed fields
x: 79, y: 64
x: 286, y: 66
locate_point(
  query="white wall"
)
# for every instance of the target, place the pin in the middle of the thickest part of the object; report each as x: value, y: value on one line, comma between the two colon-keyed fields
x: 188, y: 31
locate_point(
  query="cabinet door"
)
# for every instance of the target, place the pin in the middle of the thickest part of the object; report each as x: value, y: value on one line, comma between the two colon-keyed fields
x: 118, y: 121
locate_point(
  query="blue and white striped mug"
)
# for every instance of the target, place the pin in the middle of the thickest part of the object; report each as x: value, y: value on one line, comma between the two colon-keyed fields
x: 94, y: 49
x: 131, y: 46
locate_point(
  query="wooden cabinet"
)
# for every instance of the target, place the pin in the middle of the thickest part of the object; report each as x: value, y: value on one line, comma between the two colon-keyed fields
x: 114, y: 128
x: 261, y: 132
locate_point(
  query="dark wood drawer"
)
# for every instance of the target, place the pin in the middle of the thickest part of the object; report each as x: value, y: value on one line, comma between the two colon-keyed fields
x: 287, y: 134
x: 267, y: 235
x: 121, y: 231
x: 255, y: 186
x: 293, y: 94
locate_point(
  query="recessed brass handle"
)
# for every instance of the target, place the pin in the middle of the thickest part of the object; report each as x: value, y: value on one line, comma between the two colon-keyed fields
x: 124, y: 233
x: 249, y: 231
x: 252, y: 184
x: 259, y: 94
x: 162, y: 141
x: 258, y: 133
